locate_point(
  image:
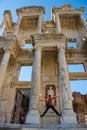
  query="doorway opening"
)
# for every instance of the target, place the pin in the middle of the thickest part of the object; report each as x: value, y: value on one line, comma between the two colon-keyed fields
x: 21, y: 106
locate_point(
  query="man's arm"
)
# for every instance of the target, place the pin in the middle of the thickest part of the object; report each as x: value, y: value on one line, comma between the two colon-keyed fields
x: 56, y: 96
x: 43, y: 97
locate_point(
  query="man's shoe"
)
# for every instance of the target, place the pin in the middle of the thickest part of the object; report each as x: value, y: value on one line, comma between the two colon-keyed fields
x: 59, y: 114
x: 41, y: 116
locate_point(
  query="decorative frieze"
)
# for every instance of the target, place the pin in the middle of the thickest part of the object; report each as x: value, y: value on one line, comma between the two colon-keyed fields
x: 59, y: 37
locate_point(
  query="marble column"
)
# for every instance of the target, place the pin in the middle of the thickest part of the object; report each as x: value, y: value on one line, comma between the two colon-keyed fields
x: 57, y: 21
x: 39, y: 23
x: 33, y: 115
x: 68, y: 116
x: 3, y: 66
x: 83, y: 20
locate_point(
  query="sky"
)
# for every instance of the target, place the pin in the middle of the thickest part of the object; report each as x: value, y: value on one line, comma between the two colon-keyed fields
x: 12, y: 5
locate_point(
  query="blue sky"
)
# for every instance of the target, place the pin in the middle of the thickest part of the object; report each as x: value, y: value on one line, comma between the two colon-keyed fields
x: 48, y: 4
x: 12, y: 5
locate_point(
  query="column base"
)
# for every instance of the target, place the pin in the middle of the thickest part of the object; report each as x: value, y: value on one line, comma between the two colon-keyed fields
x: 2, y: 118
x: 33, y: 117
x: 68, y: 117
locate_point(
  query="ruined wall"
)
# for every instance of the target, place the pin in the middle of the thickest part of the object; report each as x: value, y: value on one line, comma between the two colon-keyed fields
x: 80, y: 106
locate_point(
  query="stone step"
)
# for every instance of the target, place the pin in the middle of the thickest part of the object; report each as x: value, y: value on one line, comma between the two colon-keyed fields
x: 42, y: 127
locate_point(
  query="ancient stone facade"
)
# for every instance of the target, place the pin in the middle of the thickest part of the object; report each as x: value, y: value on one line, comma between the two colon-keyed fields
x: 20, y: 101
x: 80, y: 107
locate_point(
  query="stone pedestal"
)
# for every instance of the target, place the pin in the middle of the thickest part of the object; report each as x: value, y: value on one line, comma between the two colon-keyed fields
x: 33, y: 116
x: 68, y: 117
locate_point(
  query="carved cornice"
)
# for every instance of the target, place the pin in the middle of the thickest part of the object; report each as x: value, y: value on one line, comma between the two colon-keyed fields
x: 78, y: 75
x: 62, y: 8
x: 67, y: 8
x: 31, y: 10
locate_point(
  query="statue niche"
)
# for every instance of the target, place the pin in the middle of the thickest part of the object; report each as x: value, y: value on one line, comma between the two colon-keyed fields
x: 51, y: 90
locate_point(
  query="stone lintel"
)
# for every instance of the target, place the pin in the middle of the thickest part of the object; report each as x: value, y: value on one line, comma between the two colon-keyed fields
x: 21, y: 84
x: 49, y: 36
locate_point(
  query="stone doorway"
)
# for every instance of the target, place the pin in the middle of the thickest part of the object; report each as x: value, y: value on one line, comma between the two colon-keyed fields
x: 21, y: 106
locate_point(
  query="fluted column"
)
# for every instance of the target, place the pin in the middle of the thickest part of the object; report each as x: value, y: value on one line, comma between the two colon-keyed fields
x: 39, y: 23
x: 84, y: 23
x: 33, y: 114
x: 3, y: 66
x: 68, y: 116
x: 57, y: 21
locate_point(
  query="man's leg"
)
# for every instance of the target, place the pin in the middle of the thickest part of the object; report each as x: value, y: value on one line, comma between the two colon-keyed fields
x: 45, y: 111
x: 53, y: 108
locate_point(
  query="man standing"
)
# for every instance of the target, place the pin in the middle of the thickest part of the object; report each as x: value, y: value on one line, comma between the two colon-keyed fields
x: 49, y: 104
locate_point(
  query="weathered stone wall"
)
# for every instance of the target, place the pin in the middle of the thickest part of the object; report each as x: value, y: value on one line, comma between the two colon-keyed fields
x: 80, y: 107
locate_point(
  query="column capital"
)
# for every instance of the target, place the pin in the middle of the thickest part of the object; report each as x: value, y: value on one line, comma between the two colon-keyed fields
x: 38, y: 47
x: 7, y: 49
x: 40, y: 15
x: 56, y: 13
x: 81, y: 13
x: 61, y: 46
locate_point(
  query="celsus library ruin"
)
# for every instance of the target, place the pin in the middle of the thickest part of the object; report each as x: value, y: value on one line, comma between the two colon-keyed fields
x: 46, y: 48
